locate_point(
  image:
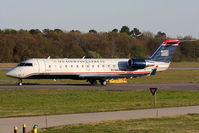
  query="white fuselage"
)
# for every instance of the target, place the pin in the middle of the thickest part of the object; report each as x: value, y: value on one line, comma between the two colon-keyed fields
x: 79, y: 69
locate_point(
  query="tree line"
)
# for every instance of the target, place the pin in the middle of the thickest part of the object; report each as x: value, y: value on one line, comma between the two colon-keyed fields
x: 19, y: 45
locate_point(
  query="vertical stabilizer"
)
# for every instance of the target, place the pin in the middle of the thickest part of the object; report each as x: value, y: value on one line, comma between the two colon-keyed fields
x: 166, y: 51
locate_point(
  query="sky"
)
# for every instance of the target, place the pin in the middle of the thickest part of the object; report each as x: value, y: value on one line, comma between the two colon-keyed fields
x: 174, y: 17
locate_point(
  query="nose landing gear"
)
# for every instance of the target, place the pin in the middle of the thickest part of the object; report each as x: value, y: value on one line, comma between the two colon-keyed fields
x: 20, y: 82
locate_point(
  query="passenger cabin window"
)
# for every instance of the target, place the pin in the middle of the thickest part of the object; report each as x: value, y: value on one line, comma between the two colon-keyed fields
x: 25, y: 64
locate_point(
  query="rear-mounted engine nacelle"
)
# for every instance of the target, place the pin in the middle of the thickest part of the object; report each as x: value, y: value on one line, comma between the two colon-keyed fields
x: 139, y: 63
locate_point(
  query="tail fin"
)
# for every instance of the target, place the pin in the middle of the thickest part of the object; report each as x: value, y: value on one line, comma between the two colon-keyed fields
x: 166, y: 51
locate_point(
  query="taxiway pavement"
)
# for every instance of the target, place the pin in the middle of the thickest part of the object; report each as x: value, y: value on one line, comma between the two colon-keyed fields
x: 7, y: 124
x: 165, y: 86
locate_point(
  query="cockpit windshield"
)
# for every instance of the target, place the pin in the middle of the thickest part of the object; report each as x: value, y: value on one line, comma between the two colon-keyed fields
x: 25, y: 64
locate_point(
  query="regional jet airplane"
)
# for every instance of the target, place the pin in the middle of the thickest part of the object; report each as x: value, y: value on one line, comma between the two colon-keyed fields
x: 95, y: 69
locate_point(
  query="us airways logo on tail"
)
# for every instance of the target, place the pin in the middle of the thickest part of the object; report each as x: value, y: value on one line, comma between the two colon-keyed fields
x: 94, y: 70
x: 164, y: 52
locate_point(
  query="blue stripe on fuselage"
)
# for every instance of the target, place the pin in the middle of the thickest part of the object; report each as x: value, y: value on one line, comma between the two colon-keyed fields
x: 84, y: 76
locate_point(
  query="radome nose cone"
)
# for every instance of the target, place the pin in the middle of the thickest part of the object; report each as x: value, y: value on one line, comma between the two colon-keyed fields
x: 8, y: 73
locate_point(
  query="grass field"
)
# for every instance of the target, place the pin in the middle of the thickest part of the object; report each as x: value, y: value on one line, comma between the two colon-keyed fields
x: 38, y: 102
x: 60, y: 101
x: 170, y: 76
x: 8, y: 64
x: 184, y: 64
x: 179, y: 124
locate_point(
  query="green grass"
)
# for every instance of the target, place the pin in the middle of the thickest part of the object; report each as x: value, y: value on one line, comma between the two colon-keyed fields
x: 178, y: 124
x: 8, y: 64
x: 168, y: 76
x: 40, y: 102
x: 184, y: 64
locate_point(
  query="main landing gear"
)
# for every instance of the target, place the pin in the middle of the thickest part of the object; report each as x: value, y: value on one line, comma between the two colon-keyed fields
x: 20, y: 82
x: 103, y: 82
x: 94, y: 82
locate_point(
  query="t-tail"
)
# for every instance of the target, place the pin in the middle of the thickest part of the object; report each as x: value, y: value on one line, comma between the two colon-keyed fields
x: 163, y: 55
x: 160, y: 60
x: 166, y: 51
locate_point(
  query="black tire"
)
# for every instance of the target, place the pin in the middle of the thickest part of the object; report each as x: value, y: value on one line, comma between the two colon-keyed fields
x: 20, y: 84
x: 93, y: 82
x: 103, y: 82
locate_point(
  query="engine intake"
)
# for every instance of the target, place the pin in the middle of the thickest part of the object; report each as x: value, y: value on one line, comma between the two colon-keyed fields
x: 139, y: 63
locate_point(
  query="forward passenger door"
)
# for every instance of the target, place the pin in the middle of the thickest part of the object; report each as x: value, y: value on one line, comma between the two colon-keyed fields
x: 41, y: 66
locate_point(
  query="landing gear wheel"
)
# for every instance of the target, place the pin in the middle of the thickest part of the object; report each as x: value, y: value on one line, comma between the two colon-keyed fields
x: 103, y: 82
x: 93, y: 82
x: 20, y: 82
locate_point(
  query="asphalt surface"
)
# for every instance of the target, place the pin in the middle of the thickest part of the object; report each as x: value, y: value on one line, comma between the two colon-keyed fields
x: 7, y: 124
x: 164, y: 86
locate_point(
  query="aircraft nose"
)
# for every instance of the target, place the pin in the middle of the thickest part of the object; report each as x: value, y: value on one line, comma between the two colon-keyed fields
x: 10, y: 73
